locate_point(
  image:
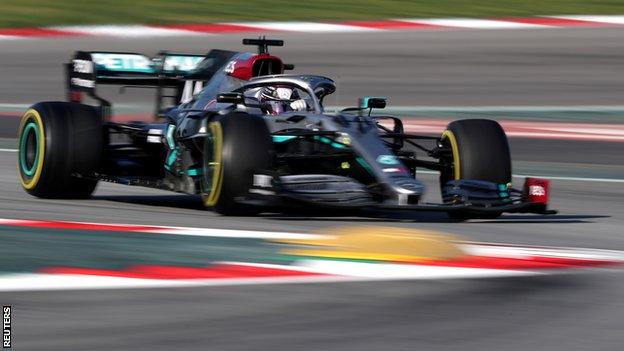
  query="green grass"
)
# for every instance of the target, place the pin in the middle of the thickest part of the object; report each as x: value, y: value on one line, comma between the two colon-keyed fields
x: 24, y: 13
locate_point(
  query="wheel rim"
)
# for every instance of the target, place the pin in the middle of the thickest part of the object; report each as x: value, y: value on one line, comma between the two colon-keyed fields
x: 31, y: 149
x: 213, y: 167
x: 449, y: 139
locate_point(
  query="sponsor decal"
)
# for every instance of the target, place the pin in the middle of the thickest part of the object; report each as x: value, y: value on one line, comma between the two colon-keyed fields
x: 230, y: 67
x: 153, y: 139
x: 344, y: 139
x: 83, y: 66
x: 155, y: 136
x: 537, y: 190
x: 123, y: 62
x: 387, y: 160
x: 262, y: 180
x: 181, y: 63
x: 85, y: 83
x: 395, y: 170
x: 210, y: 104
x: 187, y: 92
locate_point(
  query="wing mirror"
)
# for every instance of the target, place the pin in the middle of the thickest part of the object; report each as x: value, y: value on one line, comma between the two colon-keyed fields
x: 231, y: 98
x: 374, y: 102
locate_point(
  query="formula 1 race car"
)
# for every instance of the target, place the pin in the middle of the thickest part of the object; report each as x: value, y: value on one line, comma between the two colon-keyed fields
x: 232, y: 127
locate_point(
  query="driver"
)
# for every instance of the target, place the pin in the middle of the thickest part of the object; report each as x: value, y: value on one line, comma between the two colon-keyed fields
x: 282, y: 99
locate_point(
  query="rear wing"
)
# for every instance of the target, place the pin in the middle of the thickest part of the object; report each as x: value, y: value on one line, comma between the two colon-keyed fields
x: 170, y: 71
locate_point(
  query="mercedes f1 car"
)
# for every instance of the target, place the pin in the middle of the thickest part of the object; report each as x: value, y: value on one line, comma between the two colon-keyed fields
x: 234, y: 128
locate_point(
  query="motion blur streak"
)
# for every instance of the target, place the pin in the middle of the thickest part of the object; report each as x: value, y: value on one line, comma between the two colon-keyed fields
x: 528, y: 67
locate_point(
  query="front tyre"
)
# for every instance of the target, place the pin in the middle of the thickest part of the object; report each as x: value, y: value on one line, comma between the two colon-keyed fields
x: 235, y: 146
x: 479, y: 151
x: 59, y: 148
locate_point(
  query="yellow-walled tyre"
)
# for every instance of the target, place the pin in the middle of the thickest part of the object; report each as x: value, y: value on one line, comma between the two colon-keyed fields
x: 236, y: 145
x: 479, y: 151
x: 59, y: 149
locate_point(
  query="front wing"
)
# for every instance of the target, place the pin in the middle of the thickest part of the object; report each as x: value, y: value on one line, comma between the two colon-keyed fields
x: 271, y: 191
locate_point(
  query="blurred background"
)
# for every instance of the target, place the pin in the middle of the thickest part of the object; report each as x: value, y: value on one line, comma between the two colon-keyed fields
x: 556, y: 88
x: 28, y: 13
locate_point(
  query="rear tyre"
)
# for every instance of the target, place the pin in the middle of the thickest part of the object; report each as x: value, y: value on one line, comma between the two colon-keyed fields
x: 59, y: 147
x: 480, y: 151
x: 235, y: 146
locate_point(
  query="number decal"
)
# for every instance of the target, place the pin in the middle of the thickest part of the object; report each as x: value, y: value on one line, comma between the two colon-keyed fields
x: 230, y: 67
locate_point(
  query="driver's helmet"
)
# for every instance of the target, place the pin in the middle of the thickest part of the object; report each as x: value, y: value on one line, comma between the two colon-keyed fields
x: 279, y: 98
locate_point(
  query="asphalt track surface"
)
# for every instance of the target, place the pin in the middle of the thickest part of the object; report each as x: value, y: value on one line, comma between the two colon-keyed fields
x: 573, y: 312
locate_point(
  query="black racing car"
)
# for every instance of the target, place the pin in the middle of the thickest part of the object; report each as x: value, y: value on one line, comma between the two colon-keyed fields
x: 234, y: 128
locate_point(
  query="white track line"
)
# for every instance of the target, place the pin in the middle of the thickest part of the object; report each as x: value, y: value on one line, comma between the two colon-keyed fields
x: 50, y: 282
x: 504, y: 108
x: 306, y: 27
x: 46, y: 282
x: 473, y: 23
x: 389, y: 271
x: 9, y: 37
x: 231, y: 233
x: 8, y: 150
x: 600, y: 19
x: 525, y: 252
x: 184, y: 231
x: 132, y: 31
x: 579, y: 179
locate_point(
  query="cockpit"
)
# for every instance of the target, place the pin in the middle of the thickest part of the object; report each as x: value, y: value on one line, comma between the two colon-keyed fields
x: 288, y: 93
